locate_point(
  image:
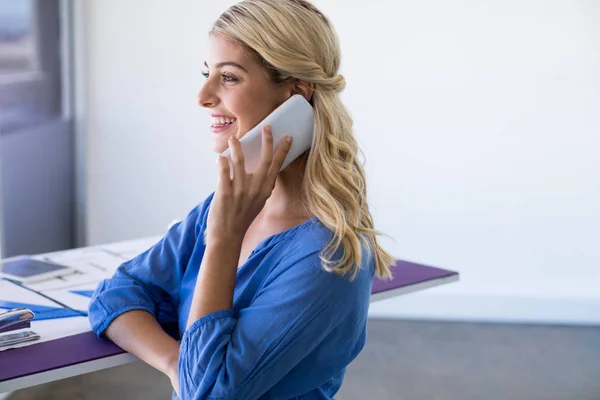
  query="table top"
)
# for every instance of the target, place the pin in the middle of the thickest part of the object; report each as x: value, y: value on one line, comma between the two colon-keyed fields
x: 20, y: 366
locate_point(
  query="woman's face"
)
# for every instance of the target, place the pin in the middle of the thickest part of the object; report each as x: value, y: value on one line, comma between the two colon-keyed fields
x: 237, y: 93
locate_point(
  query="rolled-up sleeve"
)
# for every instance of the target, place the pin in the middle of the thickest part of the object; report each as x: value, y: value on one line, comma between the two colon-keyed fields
x: 149, y: 281
x: 228, y: 356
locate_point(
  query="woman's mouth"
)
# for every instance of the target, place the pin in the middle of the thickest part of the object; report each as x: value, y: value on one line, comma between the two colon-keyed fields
x: 221, y: 123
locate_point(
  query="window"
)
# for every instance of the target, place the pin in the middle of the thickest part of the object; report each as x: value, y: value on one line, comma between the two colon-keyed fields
x: 30, y: 85
x: 17, y: 40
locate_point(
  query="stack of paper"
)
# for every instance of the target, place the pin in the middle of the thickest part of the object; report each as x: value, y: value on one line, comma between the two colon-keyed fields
x: 63, y: 302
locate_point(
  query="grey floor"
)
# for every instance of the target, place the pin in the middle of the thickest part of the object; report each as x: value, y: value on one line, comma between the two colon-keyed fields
x: 409, y: 360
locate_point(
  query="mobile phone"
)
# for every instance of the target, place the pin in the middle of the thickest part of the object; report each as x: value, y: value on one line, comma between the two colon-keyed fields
x: 295, y: 117
x: 27, y: 270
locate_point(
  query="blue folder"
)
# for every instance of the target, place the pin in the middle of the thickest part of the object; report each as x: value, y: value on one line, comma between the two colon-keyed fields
x: 43, y: 312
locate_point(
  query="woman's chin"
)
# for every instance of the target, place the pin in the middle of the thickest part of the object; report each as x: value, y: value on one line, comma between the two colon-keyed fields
x: 220, y: 140
x: 219, y: 146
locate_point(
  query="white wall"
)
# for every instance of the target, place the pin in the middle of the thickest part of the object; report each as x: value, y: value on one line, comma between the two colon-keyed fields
x: 147, y: 147
x: 480, y: 122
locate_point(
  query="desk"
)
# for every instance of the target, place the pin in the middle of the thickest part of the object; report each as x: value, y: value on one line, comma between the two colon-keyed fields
x: 84, y: 352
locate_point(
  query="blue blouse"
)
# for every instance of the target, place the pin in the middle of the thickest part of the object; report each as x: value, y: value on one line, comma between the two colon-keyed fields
x: 293, y: 329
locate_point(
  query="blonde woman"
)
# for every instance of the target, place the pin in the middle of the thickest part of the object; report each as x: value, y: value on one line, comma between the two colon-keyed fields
x: 269, y: 278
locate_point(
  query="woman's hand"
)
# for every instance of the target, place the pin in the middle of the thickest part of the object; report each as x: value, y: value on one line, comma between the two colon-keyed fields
x: 238, y: 201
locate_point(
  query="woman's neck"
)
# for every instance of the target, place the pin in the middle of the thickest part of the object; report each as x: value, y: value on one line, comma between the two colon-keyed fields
x: 286, y: 201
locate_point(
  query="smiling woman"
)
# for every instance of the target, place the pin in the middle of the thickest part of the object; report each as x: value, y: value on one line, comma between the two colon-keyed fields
x: 269, y: 278
x: 237, y: 92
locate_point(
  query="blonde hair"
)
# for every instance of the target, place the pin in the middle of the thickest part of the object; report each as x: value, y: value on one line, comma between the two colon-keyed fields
x: 294, y: 40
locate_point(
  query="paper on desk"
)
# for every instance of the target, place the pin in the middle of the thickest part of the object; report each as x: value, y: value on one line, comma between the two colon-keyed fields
x: 47, y: 329
x: 92, y: 267
x: 93, y: 264
x: 71, y: 299
x: 133, y: 248
x: 12, y: 292
x: 121, y: 250
x: 52, y: 328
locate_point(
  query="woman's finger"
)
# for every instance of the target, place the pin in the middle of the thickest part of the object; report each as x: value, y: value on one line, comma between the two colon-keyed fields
x: 224, y: 177
x: 266, y: 153
x: 239, y: 166
x: 282, y: 151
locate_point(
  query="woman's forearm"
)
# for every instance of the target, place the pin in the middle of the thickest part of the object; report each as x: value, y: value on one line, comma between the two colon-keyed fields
x: 216, y: 280
x: 138, y: 333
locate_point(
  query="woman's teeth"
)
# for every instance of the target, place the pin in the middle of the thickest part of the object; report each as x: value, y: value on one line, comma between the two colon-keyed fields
x: 222, y: 121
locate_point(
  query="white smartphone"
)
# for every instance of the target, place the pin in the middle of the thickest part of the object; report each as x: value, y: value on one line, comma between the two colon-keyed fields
x: 28, y: 270
x: 295, y: 117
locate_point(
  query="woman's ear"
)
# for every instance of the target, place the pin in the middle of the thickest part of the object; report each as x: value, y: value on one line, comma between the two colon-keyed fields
x: 304, y: 88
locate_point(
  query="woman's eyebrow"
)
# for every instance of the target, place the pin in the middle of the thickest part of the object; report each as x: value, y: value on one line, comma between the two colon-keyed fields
x: 228, y: 63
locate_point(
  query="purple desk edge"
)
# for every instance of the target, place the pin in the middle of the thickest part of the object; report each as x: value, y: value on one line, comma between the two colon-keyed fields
x: 86, y: 347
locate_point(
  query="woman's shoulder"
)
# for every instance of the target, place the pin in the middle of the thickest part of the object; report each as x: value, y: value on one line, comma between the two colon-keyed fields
x: 310, y: 237
x: 303, y: 252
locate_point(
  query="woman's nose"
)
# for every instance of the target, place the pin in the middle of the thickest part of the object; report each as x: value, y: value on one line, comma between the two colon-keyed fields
x: 206, y: 97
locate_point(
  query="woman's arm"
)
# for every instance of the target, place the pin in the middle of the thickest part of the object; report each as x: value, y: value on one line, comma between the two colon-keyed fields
x: 302, y: 311
x: 236, y: 203
x: 138, y: 333
x: 216, y: 279
x: 127, y: 307
x: 150, y: 280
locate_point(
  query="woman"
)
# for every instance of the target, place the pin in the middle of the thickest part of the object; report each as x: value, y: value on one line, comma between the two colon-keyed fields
x: 269, y: 278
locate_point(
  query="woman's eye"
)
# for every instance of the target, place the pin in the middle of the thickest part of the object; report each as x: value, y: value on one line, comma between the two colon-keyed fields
x: 229, y: 78
x: 225, y: 77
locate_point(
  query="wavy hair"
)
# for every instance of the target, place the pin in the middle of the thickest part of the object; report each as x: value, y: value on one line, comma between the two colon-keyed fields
x: 295, y: 41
